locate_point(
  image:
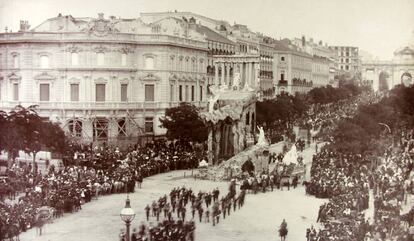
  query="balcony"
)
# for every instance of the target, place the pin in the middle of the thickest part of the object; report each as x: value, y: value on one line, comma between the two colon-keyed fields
x: 282, y: 83
x: 97, y: 105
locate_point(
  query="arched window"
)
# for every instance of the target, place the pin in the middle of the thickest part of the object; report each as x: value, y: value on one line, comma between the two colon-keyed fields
x: 44, y: 62
x: 100, y: 59
x: 74, y: 58
x: 15, y: 61
x: 123, y: 59
x: 149, y: 62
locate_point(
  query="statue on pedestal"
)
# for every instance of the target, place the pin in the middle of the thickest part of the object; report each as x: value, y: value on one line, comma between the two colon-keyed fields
x: 236, y: 81
x: 262, y: 139
x: 213, y: 98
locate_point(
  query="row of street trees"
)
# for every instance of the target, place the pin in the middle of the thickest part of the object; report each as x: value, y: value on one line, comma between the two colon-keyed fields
x: 22, y: 129
x: 184, y: 122
x: 362, y: 133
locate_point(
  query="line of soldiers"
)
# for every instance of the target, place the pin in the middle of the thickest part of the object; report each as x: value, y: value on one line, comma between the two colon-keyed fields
x: 180, y: 226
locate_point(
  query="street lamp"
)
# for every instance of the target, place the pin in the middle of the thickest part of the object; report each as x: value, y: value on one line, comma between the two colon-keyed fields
x: 127, y: 215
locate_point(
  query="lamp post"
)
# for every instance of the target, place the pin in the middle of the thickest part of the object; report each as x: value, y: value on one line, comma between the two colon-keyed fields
x: 127, y: 215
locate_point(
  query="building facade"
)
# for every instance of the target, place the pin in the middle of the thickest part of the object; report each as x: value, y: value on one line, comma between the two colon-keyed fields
x: 348, y: 59
x: 104, y: 79
x: 293, y: 69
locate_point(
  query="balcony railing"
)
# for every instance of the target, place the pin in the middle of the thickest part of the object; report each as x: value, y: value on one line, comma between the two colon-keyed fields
x: 44, y: 105
x: 82, y: 36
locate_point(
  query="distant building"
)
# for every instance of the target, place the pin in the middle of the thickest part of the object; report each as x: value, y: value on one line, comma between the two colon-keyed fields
x: 293, y: 69
x: 348, y: 59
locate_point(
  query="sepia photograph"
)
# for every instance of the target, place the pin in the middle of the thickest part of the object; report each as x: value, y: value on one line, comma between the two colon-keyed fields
x: 218, y: 120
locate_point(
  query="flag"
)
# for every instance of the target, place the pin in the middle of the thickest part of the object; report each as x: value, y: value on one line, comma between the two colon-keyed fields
x: 291, y: 156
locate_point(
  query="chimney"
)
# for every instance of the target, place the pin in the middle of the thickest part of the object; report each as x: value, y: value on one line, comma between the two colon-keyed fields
x: 24, y: 26
x: 303, y: 41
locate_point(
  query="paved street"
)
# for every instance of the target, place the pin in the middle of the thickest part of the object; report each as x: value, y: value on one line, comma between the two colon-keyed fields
x: 244, y: 225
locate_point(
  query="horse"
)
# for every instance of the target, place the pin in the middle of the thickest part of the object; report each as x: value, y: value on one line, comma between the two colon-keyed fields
x: 283, y: 231
x: 12, y: 231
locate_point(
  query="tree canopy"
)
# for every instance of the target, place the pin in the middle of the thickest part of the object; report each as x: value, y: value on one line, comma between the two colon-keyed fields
x: 184, y: 123
x: 24, y: 130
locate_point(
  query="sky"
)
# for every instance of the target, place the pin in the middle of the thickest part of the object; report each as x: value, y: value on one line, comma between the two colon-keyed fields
x: 377, y: 26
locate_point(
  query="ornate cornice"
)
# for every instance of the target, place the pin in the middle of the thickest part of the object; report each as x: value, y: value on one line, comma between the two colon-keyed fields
x: 100, y: 49
x: 149, y: 77
x: 14, y: 76
x: 73, y: 49
x: 44, y: 76
x: 126, y: 50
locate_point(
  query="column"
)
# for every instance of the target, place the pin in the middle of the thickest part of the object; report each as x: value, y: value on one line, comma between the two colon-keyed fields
x: 227, y: 74
x: 249, y: 73
x: 222, y: 73
x: 252, y: 82
x: 216, y: 74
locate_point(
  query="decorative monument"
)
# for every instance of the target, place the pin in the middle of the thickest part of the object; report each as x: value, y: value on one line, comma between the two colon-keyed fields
x: 231, y: 117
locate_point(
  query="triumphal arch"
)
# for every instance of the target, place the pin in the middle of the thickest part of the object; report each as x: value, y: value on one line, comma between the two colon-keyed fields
x: 384, y: 75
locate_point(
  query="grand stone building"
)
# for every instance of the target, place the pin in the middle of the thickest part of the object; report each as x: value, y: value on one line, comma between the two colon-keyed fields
x: 103, y: 79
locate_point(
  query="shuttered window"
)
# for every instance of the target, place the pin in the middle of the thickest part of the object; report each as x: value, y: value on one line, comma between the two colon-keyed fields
x: 149, y: 92
x: 192, y: 93
x: 124, y: 92
x: 100, y: 92
x: 74, y: 92
x: 44, y: 92
x: 15, y: 92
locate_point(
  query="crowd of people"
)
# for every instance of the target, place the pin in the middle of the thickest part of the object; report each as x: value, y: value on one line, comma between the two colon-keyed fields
x: 358, y: 185
x: 65, y: 190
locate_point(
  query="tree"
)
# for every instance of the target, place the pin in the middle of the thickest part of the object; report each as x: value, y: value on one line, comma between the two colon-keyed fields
x: 184, y: 123
x: 27, y: 131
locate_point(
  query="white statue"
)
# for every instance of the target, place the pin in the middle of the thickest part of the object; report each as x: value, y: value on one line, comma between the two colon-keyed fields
x: 236, y: 81
x: 213, y: 98
x: 247, y: 86
x: 262, y: 139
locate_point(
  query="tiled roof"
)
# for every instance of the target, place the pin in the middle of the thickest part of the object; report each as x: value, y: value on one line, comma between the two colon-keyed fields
x: 212, y: 35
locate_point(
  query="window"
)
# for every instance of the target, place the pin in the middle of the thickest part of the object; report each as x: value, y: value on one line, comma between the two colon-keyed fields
x: 74, y: 92
x: 124, y: 92
x: 282, y: 58
x: 171, y: 92
x: 15, y: 61
x: 248, y: 118
x: 149, y: 124
x: 122, y: 128
x: 75, y: 127
x: 100, y: 92
x: 201, y: 93
x: 186, y: 94
x: 44, y: 62
x: 149, y: 92
x: 100, y: 129
x: 347, y: 67
x: 192, y: 93
x: 15, y: 91
x: 100, y: 59
x: 180, y: 93
x: 149, y: 62
x: 123, y: 59
x: 74, y: 58
x: 44, y: 92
